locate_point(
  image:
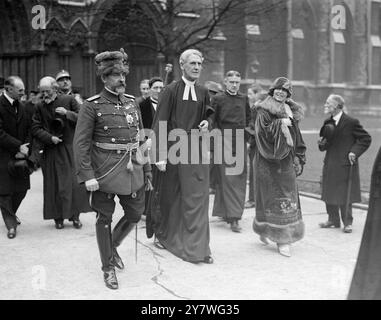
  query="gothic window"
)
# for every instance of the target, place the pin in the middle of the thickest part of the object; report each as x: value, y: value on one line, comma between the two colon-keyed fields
x: 303, y: 35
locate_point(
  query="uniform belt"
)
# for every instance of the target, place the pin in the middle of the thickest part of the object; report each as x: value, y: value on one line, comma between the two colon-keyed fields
x: 117, y: 146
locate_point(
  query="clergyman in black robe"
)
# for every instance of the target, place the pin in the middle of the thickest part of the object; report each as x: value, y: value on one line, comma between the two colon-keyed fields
x: 184, y: 192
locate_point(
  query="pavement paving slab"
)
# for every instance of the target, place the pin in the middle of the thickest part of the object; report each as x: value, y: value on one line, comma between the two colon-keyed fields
x: 45, y: 263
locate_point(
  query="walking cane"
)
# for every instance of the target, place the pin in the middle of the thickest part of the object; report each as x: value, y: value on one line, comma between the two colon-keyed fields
x: 349, y: 188
x: 136, y: 243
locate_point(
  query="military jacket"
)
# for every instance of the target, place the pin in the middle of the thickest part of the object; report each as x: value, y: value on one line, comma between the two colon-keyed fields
x: 105, y: 124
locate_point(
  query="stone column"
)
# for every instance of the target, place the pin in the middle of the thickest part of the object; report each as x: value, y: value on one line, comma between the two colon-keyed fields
x: 360, y: 43
x: 323, y: 72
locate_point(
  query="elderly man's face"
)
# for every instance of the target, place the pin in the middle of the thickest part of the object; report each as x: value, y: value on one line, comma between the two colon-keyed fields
x: 17, y: 90
x: 144, y: 89
x: 330, y: 106
x: 65, y: 84
x: 116, y: 81
x: 48, y: 93
x: 192, y: 67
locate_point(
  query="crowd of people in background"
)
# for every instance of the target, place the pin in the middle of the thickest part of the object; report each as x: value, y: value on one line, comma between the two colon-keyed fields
x: 89, y: 152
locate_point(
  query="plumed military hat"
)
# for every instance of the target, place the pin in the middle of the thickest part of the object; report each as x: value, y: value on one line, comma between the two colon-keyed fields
x: 281, y: 83
x: 110, y: 61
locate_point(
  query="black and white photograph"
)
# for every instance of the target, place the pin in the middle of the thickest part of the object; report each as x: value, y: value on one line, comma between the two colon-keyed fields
x: 190, y: 155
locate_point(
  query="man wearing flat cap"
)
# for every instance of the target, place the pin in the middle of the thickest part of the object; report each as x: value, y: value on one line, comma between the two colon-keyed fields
x: 108, y: 158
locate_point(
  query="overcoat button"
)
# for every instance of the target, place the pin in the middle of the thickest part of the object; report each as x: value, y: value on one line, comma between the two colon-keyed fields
x: 118, y: 152
x: 133, y: 195
x: 112, y: 139
x: 99, y: 114
x: 105, y: 127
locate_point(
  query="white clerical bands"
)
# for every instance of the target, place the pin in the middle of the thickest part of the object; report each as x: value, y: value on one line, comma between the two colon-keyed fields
x: 189, y: 87
x: 192, y: 92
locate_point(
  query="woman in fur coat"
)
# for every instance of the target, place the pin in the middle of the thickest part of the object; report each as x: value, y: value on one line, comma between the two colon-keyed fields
x: 279, y: 159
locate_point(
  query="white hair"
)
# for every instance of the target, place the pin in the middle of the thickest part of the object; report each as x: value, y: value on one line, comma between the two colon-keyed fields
x: 49, y: 81
x: 338, y: 99
x: 185, y: 55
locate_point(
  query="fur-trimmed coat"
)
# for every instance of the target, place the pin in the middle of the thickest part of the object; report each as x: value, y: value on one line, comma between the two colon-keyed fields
x: 279, y: 156
x: 274, y: 139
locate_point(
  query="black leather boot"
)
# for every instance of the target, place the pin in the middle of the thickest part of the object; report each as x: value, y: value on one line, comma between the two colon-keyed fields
x: 121, y: 230
x: 103, y: 232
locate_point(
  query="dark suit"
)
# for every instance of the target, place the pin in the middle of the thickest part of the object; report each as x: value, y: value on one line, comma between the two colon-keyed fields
x: 14, y: 131
x: 148, y: 112
x: 348, y: 136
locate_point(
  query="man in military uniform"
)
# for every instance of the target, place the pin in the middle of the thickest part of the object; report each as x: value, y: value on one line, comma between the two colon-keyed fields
x: 63, y: 79
x: 109, y: 160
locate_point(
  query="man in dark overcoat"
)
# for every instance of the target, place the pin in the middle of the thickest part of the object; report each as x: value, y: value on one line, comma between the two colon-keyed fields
x: 366, y: 280
x: 148, y: 106
x: 109, y: 160
x: 53, y: 128
x: 14, y: 142
x: 344, y: 140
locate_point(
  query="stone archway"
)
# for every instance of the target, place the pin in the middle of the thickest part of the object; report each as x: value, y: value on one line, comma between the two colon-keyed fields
x: 304, y: 40
x: 15, y: 41
x: 129, y: 24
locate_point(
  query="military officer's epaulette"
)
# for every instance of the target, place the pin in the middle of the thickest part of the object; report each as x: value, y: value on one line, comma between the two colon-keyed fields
x: 97, y: 96
x: 129, y: 96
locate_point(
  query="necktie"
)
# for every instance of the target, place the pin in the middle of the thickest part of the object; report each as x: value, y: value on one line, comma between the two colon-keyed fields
x: 15, y: 104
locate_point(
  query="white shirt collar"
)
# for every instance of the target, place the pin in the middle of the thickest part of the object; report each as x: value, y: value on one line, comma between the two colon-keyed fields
x: 188, y: 82
x: 154, y: 103
x: 231, y: 93
x: 337, y: 117
x: 189, y: 88
x: 9, y: 98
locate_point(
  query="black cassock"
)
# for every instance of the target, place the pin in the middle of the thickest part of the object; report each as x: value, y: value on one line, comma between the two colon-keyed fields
x: 366, y: 281
x: 63, y: 196
x: 232, y: 112
x: 184, y: 190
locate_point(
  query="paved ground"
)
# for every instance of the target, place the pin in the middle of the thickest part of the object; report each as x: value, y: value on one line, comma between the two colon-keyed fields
x: 45, y: 263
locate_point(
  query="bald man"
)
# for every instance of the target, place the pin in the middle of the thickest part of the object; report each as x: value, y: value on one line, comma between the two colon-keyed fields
x: 14, y: 145
x: 53, y: 127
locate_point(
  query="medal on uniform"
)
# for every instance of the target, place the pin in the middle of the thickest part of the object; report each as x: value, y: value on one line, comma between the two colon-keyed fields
x: 130, y: 119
